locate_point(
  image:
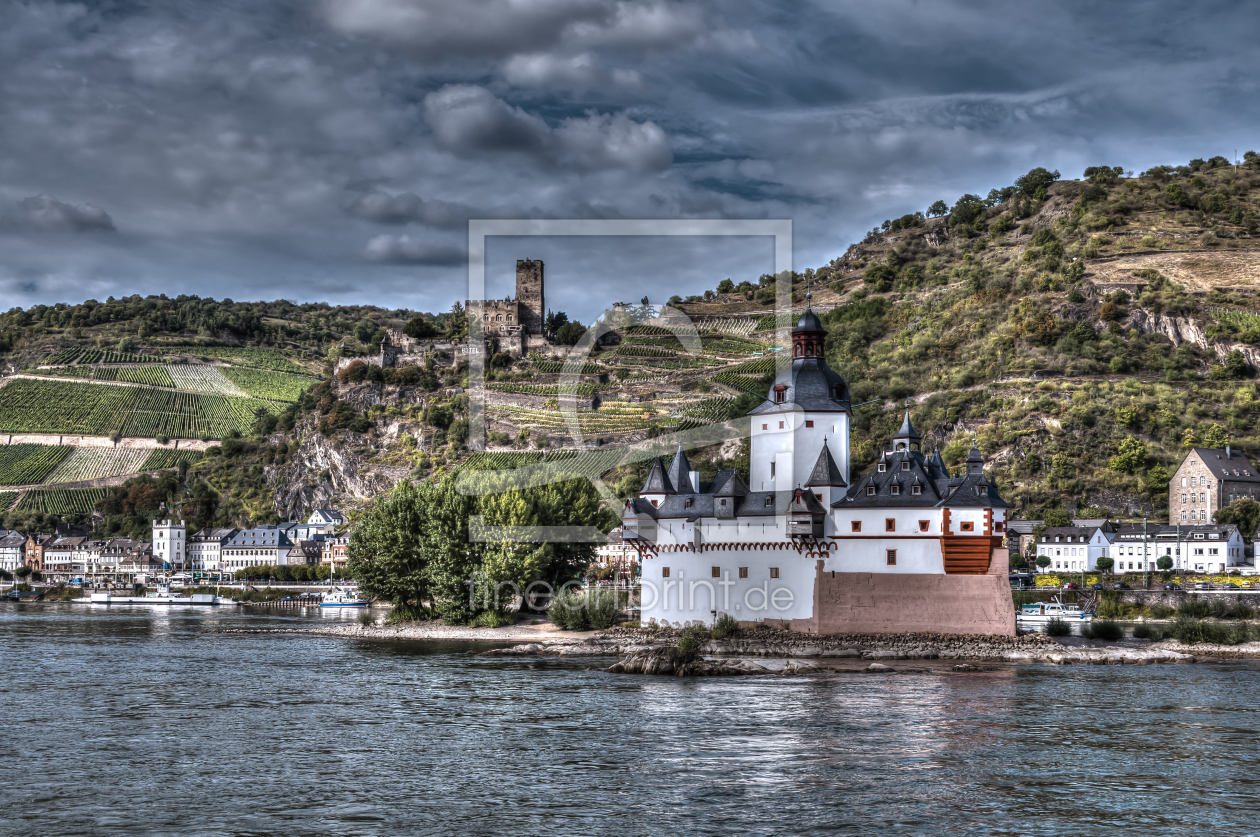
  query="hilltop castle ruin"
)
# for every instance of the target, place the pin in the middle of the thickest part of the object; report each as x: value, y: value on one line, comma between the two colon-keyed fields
x: 517, y: 322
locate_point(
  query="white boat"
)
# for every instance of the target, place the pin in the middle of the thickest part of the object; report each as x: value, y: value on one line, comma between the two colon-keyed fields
x: 342, y: 597
x: 1042, y: 612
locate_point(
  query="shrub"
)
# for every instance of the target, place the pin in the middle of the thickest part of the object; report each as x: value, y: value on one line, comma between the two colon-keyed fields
x: 1188, y: 630
x: 568, y: 613
x: 1193, y: 609
x: 1104, y: 629
x: 366, y: 618
x: 1145, y: 631
x: 1057, y: 627
x: 725, y: 626
x: 492, y: 619
x: 604, y: 609
x: 1160, y: 611
x: 688, y: 644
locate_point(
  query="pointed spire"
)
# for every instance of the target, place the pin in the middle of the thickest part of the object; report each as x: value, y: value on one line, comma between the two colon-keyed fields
x: 657, y: 481
x: 680, y: 472
x: 825, y: 471
x: 907, y: 433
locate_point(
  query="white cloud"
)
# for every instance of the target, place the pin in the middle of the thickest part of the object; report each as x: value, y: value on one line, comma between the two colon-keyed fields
x: 466, y: 118
x: 614, y: 141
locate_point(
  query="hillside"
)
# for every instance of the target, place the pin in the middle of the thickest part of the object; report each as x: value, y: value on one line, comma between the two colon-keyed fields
x: 1084, y: 331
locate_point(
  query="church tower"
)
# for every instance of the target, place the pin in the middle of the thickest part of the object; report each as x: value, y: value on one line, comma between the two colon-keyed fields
x: 529, y: 295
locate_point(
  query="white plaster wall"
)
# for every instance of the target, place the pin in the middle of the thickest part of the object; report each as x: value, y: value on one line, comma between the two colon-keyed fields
x: 791, y: 595
x: 795, y: 446
x: 870, y: 555
x: 873, y: 521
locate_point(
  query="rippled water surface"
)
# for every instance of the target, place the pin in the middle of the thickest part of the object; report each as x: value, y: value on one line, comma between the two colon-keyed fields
x: 135, y: 721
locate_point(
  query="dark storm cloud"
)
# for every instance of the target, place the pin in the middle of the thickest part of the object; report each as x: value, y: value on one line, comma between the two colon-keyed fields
x: 409, y: 208
x: 48, y: 213
x: 220, y: 137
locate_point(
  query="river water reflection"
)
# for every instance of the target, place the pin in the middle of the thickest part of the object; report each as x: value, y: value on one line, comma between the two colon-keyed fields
x: 135, y: 721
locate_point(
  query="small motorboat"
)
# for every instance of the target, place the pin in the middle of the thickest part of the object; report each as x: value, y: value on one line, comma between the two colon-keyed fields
x: 342, y: 597
x: 1040, y: 613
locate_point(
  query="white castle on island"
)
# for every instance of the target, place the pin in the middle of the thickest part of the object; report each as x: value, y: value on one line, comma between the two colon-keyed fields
x: 909, y: 546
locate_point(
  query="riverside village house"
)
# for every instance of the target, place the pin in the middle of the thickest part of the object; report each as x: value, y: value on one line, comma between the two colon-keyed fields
x: 804, y: 544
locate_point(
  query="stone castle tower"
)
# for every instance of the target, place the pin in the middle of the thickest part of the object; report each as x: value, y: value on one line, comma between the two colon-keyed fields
x: 529, y: 295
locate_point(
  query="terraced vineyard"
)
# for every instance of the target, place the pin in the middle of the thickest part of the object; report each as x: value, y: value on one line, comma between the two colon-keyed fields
x: 31, y: 406
x: 62, y: 500
x: 207, y: 379
x: 167, y: 458
x: 6, y: 499
x: 29, y: 464
x: 98, y: 463
x: 739, y: 327
x: 155, y: 376
x: 273, y: 386
x: 257, y: 358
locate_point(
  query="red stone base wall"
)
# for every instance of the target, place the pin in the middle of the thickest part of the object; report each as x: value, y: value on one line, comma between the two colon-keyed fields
x: 887, y: 603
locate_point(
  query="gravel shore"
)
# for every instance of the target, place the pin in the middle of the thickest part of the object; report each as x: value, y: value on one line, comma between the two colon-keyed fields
x: 544, y: 639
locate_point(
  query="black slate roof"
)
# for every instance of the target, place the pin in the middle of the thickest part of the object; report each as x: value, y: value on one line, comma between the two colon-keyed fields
x: 1223, y: 467
x: 753, y: 504
x: 906, y: 469
x: 657, y: 482
x: 825, y: 472
x: 809, y: 384
x: 679, y: 472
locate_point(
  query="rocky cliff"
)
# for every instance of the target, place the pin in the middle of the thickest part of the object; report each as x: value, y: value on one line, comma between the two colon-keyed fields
x: 326, y: 470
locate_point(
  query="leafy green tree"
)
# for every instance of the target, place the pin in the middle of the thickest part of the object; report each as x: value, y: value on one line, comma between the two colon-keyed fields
x: 880, y: 277
x: 570, y: 333
x: 1244, y: 513
x: 1131, y: 458
x: 1036, y: 183
x: 1056, y: 519
x: 1061, y: 465
x: 554, y: 321
x: 726, y: 286
x: 385, y: 552
x: 1105, y: 564
x: 1236, y: 365
x: 966, y: 210
x: 1164, y: 563
x: 1215, y: 437
x: 937, y: 209
x: 1043, y: 561
x: 420, y: 329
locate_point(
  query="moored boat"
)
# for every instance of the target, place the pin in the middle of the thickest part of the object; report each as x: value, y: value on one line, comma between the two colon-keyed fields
x: 1039, y: 613
x: 342, y: 597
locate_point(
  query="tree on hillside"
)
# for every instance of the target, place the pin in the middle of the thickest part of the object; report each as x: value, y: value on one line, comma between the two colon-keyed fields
x: 420, y: 329
x: 937, y: 209
x: 1131, y: 458
x: 726, y: 286
x: 1036, y: 183
x: 966, y: 210
x: 554, y: 321
x: 1245, y: 514
x: 1215, y: 437
x: 570, y: 333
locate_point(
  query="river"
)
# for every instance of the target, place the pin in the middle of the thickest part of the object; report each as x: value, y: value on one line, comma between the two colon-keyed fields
x: 134, y: 721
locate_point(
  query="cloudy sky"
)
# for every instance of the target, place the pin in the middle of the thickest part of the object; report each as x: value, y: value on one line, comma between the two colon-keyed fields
x: 335, y: 149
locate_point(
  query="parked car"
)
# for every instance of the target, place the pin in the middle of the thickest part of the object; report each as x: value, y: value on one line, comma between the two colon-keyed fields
x: 1097, y: 586
x: 1246, y: 585
x: 1172, y: 586
x: 1229, y: 586
x: 1119, y: 585
x: 1071, y: 585
x: 1202, y: 585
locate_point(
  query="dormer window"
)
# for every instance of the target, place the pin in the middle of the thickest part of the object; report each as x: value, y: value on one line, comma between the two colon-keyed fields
x: 882, y: 467
x: 770, y: 501
x: 870, y: 491
x: 689, y: 502
x: 915, y: 489
x: 905, y: 466
x: 780, y: 394
x: 896, y: 489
